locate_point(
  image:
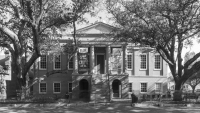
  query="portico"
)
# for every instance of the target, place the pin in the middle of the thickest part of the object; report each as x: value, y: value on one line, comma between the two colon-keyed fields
x: 105, y: 59
x: 100, y: 62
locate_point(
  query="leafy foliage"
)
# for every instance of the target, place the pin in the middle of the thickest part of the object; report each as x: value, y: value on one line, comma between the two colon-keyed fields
x: 165, y: 25
x: 30, y: 28
x: 194, y: 80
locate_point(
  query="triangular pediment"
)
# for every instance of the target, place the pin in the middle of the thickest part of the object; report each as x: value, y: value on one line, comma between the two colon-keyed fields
x: 97, y: 28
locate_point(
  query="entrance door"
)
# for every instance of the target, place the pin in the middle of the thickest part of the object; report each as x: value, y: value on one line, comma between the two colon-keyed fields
x: 84, y: 89
x: 116, y: 87
x: 100, y: 64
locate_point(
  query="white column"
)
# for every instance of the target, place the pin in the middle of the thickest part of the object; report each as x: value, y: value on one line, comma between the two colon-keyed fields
x: 75, y: 71
x: 124, y: 60
x: 108, y: 52
x: 150, y: 63
x: 92, y: 59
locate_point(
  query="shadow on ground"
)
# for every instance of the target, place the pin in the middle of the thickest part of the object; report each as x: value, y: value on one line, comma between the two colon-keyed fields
x: 114, y: 108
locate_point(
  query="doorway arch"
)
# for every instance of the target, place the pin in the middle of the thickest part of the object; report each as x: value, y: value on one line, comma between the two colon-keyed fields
x: 116, y: 88
x: 84, y: 89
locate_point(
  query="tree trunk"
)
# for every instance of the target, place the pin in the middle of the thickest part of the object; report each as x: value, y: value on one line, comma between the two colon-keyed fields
x: 193, y: 88
x: 178, y: 85
x: 177, y: 96
x: 18, y: 70
x: 20, y: 89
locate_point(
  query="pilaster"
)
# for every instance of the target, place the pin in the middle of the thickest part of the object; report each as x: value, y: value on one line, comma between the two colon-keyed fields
x: 150, y: 64
x: 124, y: 66
x: 108, y: 52
x: 92, y: 59
x: 75, y: 70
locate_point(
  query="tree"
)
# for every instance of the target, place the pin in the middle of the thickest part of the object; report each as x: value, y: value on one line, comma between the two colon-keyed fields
x: 194, y: 80
x: 165, y: 25
x: 31, y: 26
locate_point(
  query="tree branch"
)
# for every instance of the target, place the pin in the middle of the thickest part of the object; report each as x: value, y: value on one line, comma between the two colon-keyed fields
x: 189, y: 62
x: 11, y: 35
x: 30, y: 62
x: 65, y: 71
x: 21, y: 29
x: 190, y: 72
x: 15, y: 8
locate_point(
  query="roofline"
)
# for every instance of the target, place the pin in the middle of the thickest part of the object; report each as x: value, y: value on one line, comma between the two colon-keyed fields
x: 90, y: 26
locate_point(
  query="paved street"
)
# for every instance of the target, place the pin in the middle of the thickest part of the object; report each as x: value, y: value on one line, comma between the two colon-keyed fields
x: 113, y: 108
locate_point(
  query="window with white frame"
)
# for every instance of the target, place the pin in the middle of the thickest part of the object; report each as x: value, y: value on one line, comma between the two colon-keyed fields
x: 56, y: 87
x: 70, y: 87
x: 143, y: 61
x: 57, y: 62
x: 71, y: 63
x: 158, y: 87
x: 130, y: 87
x: 129, y: 61
x: 143, y: 87
x: 43, y: 87
x: 157, y: 63
x: 43, y: 62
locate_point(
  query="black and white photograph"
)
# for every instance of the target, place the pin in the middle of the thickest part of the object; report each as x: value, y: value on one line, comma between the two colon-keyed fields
x: 99, y: 56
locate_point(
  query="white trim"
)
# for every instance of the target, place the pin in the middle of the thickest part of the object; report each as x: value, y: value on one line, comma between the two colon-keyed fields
x: 131, y: 61
x: 54, y: 63
x: 145, y: 60
x: 53, y: 87
x: 40, y: 64
x: 72, y: 58
x: 160, y: 63
x: 161, y: 89
x: 140, y: 86
x: 39, y: 88
x: 94, y: 25
x: 68, y: 87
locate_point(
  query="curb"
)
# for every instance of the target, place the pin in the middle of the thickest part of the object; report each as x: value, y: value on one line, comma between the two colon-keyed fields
x: 60, y: 104
x: 52, y: 105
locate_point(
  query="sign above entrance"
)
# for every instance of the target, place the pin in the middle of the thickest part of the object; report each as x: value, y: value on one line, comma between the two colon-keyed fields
x: 83, y: 50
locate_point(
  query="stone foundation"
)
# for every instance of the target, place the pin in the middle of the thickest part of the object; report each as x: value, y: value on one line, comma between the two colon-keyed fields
x: 100, y: 86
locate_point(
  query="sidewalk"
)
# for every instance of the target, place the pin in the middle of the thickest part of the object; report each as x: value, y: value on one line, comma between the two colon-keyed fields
x: 90, y: 104
x: 57, y: 104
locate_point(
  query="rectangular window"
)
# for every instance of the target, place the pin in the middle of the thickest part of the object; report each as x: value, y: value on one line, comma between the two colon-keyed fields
x: 130, y: 87
x: 57, y: 62
x: 143, y: 87
x: 56, y: 87
x: 43, y: 62
x: 43, y: 87
x: 158, y: 87
x: 143, y: 62
x: 70, y: 87
x: 71, y: 63
x: 157, y: 63
x: 129, y: 61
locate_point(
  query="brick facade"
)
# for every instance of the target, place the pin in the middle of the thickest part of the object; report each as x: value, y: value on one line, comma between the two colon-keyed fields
x: 112, y: 68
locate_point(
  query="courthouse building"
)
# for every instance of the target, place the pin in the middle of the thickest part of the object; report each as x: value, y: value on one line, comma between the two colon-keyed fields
x: 102, y: 69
